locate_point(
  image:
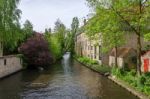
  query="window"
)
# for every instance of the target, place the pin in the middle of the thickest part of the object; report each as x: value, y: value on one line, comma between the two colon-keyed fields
x: 5, y: 61
x: 91, y: 47
x: 100, y: 53
x: 95, y: 51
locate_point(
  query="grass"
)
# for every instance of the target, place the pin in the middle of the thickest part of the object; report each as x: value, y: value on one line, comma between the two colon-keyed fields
x: 94, y: 65
x: 140, y: 83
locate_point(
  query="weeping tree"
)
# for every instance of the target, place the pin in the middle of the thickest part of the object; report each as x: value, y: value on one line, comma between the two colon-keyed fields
x: 9, y: 24
x: 131, y: 13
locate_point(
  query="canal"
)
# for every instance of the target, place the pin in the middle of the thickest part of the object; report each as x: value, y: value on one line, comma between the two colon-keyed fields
x: 67, y: 79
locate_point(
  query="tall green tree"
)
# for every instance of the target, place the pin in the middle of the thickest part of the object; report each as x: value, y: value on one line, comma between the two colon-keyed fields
x: 27, y: 29
x: 9, y: 23
x: 131, y: 13
x: 74, y: 29
x: 60, y: 30
x: 103, y: 23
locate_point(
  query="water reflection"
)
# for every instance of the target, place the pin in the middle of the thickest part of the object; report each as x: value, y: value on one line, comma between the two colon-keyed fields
x: 65, y: 80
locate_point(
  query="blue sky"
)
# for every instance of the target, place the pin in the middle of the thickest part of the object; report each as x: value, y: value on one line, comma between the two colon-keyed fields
x: 43, y: 13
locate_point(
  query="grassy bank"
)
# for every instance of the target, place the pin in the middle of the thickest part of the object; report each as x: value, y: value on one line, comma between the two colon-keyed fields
x: 128, y: 78
x: 141, y: 84
x: 94, y: 65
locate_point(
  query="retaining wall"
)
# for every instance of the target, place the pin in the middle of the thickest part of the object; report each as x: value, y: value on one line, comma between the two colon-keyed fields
x: 9, y: 65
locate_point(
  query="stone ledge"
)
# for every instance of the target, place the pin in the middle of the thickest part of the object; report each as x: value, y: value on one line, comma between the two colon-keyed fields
x: 9, y: 56
x: 129, y: 88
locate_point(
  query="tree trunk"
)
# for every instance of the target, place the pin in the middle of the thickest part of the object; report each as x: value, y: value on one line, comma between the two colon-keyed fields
x: 1, y: 49
x: 139, y: 55
x: 139, y: 41
x: 116, y: 61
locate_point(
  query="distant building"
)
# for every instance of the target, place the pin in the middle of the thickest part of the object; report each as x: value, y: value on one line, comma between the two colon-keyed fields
x: 126, y: 58
x: 145, y: 62
x: 84, y: 46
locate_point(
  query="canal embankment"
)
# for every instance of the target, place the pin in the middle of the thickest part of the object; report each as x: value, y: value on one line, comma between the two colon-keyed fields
x: 128, y: 87
x: 106, y: 71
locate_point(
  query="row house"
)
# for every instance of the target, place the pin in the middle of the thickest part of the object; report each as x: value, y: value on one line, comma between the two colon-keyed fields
x: 87, y: 47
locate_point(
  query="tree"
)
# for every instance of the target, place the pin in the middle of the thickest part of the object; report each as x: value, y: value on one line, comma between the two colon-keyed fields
x: 60, y: 31
x: 36, y: 51
x: 132, y: 13
x: 54, y: 44
x: 27, y: 29
x: 74, y: 29
x: 103, y: 23
x: 147, y: 37
x: 9, y: 24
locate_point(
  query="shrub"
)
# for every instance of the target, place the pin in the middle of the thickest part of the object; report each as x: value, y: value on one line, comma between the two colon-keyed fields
x: 118, y: 72
x: 36, y: 51
x: 141, y: 81
x: 87, y: 61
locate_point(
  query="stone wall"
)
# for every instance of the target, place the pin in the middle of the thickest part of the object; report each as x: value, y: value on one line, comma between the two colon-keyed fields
x: 9, y: 65
x: 88, y: 48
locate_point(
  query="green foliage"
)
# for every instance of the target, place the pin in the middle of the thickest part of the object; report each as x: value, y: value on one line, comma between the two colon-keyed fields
x: 141, y: 83
x: 60, y: 32
x: 93, y: 64
x: 114, y: 17
x: 27, y: 29
x: 74, y: 29
x: 54, y: 46
x: 147, y: 37
x: 117, y: 71
x: 9, y: 22
x: 87, y: 61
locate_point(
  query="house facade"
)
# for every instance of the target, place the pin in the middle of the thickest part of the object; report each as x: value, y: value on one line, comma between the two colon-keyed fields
x: 86, y: 47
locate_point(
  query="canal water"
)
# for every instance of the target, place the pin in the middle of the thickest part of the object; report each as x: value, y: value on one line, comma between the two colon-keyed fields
x: 67, y: 79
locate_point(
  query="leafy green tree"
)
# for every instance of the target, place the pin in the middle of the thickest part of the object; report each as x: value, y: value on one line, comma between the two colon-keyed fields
x: 54, y: 45
x: 60, y: 31
x: 147, y: 37
x: 9, y: 24
x: 68, y: 41
x: 27, y: 29
x: 74, y: 29
x: 103, y: 23
x: 131, y: 13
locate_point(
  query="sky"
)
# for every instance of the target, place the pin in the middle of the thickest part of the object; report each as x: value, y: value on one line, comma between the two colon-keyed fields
x: 44, y: 13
